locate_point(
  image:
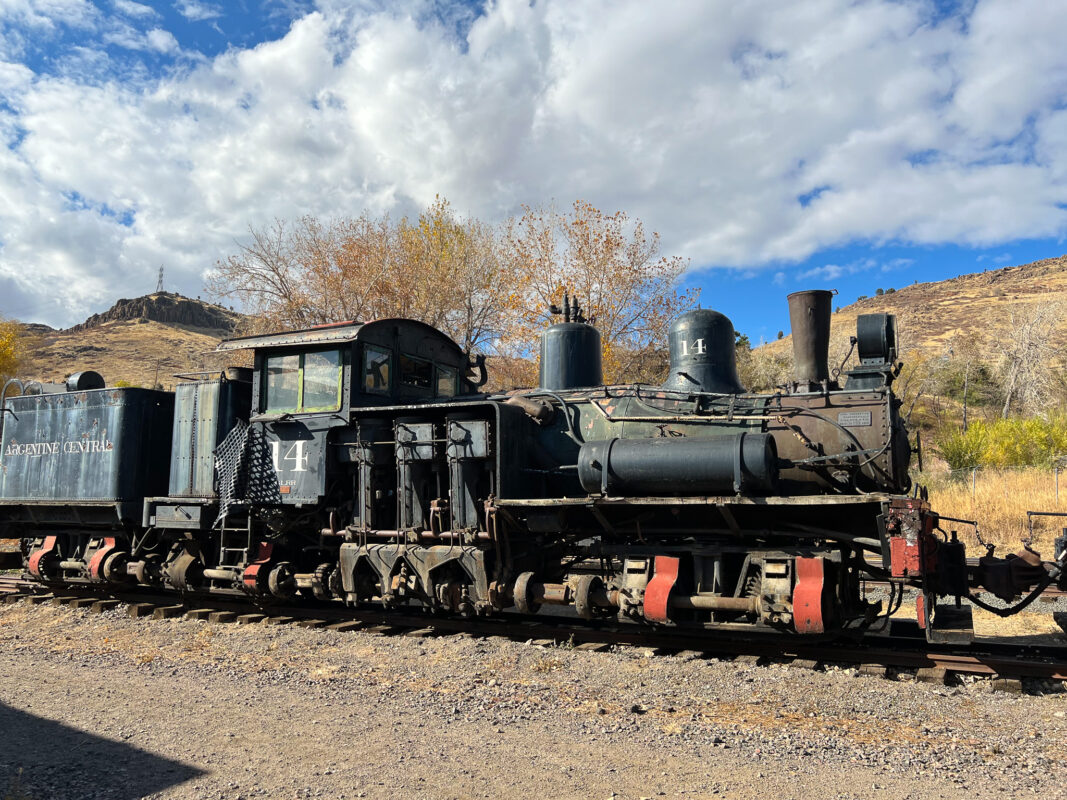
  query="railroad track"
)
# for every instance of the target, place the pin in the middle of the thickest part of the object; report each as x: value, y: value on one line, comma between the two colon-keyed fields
x: 902, y: 649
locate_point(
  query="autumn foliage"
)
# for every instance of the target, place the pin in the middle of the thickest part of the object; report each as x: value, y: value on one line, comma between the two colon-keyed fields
x: 10, y: 349
x: 488, y: 286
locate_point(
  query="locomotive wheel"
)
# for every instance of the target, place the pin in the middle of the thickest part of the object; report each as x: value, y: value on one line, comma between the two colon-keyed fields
x: 184, y: 572
x: 114, y: 569
x: 523, y: 599
x: 281, y: 582
x: 321, y: 580
x: 587, y: 585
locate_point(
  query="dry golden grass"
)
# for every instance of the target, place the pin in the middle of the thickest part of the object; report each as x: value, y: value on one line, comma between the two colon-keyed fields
x: 136, y: 352
x: 999, y: 502
x: 930, y: 314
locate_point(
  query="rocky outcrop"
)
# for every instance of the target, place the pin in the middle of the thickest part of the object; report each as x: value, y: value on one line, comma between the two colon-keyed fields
x: 168, y: 308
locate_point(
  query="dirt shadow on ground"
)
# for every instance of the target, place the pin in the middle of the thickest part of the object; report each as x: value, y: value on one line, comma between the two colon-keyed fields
x: 41, y: 759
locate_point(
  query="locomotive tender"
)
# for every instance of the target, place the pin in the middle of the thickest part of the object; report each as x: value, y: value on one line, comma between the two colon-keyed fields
x: 358, y: 463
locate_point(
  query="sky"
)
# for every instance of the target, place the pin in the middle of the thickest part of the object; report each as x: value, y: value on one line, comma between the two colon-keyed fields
x: 776, y: 146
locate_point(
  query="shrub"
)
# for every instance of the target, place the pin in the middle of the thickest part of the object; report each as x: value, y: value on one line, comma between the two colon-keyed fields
x: 1034, y: 442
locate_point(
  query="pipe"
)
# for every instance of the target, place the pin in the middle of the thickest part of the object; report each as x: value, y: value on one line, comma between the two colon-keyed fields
x: 221, y: 574
x: 703, y: 602
x: 809, y: 320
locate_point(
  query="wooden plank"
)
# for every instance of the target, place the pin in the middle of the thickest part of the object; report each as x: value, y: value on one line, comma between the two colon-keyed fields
x: 168, y: 612
x: 310, y: 623
x: 82, y: 602
x: 249, y: 619
x: 101, y: 606
x: 935, y: 675
x: 874, y: 670
x: 346, y: 627
x: 222, y: 617
x: 140, y: 610
x: 199, y: 613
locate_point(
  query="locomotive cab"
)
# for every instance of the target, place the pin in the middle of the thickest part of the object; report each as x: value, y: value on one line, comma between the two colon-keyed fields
x: 306, y: 384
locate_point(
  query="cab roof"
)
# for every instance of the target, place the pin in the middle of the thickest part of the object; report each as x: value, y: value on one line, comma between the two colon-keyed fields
x: 331, y: 333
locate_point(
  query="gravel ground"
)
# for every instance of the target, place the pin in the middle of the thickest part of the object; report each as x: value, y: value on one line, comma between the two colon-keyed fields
x: 103, y: 706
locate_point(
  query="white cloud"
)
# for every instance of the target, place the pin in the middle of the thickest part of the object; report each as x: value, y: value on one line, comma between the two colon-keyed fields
x: 162, y: 41
x: 137, y: 10
x: 747, y: 134
x: 196, y: 11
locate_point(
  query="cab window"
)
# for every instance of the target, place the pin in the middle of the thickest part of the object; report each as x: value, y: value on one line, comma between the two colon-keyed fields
x: 416, y: 372
x: 446, y: 382
x: 304, y: 382
x: 283, y: 383
x: 376, y: 362
x: 322, y: 381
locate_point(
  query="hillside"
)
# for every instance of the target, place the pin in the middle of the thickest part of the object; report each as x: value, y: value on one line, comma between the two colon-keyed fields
x: 980, y: 303
x: 139, y: 341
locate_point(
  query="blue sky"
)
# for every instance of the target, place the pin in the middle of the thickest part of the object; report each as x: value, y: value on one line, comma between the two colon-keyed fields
x: 824, y: 144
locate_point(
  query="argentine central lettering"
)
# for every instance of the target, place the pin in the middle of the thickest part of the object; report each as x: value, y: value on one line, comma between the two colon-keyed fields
x: 37, y: 449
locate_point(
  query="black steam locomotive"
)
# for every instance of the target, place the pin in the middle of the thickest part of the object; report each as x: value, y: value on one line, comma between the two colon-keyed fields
x: 358, y: 463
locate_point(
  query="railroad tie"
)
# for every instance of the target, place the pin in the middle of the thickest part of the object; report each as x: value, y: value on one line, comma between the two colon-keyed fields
x: 346, y: 627
x: 874, y: 670
x: 101, y: 606
x: 168, y: 612
x: 137, y: 610
x: 936, y: 675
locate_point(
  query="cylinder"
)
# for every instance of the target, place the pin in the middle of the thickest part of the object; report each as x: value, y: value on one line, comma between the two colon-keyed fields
x: 741, y: 463
x: 570, y: 357
x: 84, y: 381
x: 703, y: 354
x: 809, y: 318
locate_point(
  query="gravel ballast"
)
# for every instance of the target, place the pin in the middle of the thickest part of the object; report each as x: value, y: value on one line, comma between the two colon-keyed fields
x: 104, y: 706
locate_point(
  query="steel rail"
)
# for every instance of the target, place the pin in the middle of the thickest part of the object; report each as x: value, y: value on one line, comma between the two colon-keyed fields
x: 895, y: 651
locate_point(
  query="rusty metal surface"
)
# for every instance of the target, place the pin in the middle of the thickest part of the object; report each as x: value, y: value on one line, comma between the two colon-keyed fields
x: 107, y: 444
x: 341, y: 333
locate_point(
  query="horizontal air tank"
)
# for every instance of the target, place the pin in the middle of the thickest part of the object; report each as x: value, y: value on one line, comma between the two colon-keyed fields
x: 739, y: 463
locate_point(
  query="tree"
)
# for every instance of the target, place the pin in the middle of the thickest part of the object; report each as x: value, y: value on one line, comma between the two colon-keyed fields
x: 1025, y: 356
x: 11, y: 348
x: 488, y: 287
x: 963, y: 366
x: 763, y: 370
x: 437, y: 268
x: 614, y: 268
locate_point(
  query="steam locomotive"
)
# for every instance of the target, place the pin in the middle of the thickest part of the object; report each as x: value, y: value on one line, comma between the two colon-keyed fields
x: 358, y: 463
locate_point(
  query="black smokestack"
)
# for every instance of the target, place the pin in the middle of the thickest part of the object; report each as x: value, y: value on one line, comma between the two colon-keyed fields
x: 809, y: 317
